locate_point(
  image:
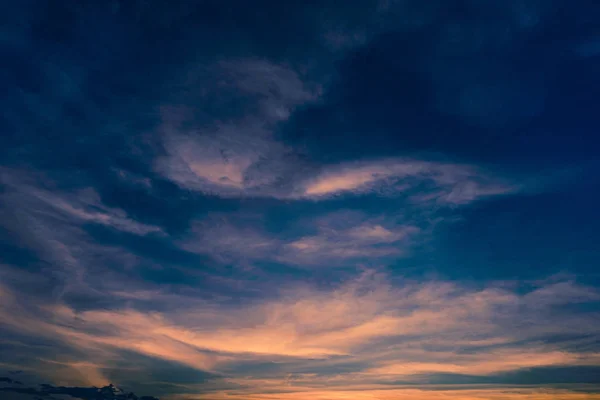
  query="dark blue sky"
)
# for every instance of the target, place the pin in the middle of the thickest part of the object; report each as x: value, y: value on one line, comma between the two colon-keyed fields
x: 301, y: 199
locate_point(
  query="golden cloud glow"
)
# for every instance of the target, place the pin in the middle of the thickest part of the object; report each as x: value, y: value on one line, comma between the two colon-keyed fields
x: 390, y: 331
x: 346, y: 180
x: 488, y: 363
x: 270, y: 389
x: 410, y: 394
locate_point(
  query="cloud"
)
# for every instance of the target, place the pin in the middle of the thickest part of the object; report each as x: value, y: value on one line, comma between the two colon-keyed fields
x: 489, y: 363
x: 334, y: 239
x: 50, y: 223
x: 287, y: 392
x: 238, y: 157
x: 133, y: 179
x: 82, y: 206
x: 229, y: 164
x: 444, y: 182
x: 241, y: 156
x: 389, y: 331
x: 245, y: 161
x: 9, y: 380
x: 279, y: 88
x: 108, y: 392
x: 342, y: 237
x: 240, y: 242
x: 379, y: 393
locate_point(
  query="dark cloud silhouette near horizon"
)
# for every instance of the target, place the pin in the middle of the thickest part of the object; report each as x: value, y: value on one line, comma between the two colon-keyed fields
x: 109, y: 392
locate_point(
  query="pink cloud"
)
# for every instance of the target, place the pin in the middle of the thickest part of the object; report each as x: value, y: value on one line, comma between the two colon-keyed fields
x: 284, y: 391
x: 450, y: 183
x: 243, y: 158
x: 232, y: 239
x: 393, y: 331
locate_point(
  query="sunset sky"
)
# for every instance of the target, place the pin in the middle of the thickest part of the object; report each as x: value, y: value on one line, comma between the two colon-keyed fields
x: 300, y: 200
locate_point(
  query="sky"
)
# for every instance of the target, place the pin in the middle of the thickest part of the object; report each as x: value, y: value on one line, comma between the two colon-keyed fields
x: 300, y: 200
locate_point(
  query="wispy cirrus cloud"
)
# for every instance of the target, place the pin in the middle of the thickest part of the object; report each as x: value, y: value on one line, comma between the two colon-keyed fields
x: 284, y: 392
x: 26, y: 195
x: 349, y: 236
x: 228, y: 162
x: 241, y: 157
x: 278, y: 87
x: 491, y: 363
x: 386, y: 331
x: 50, y: 223
x: 238, y: 156
x: 229, y: 165
x: 228, y: 239
x: 442, y: 182
x: 331, y: 240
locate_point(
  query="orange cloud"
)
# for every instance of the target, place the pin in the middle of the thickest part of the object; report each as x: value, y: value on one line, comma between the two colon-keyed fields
x: 400, y: 394
x: 390, y: 331
x: 346, y: 180
x: 451, y: 183
x: 487, y: 362
x: 74, y: 372
x: 229, y: 241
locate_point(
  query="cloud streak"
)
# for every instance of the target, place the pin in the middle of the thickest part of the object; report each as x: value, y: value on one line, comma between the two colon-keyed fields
x: 82, y: 206
x: 241, y: 157
x: 51, y: 223
x: 363, y: 393
x: 391, y: 331
x: 447, y: 183
x: 334, y: 239
x: 222, y: 166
